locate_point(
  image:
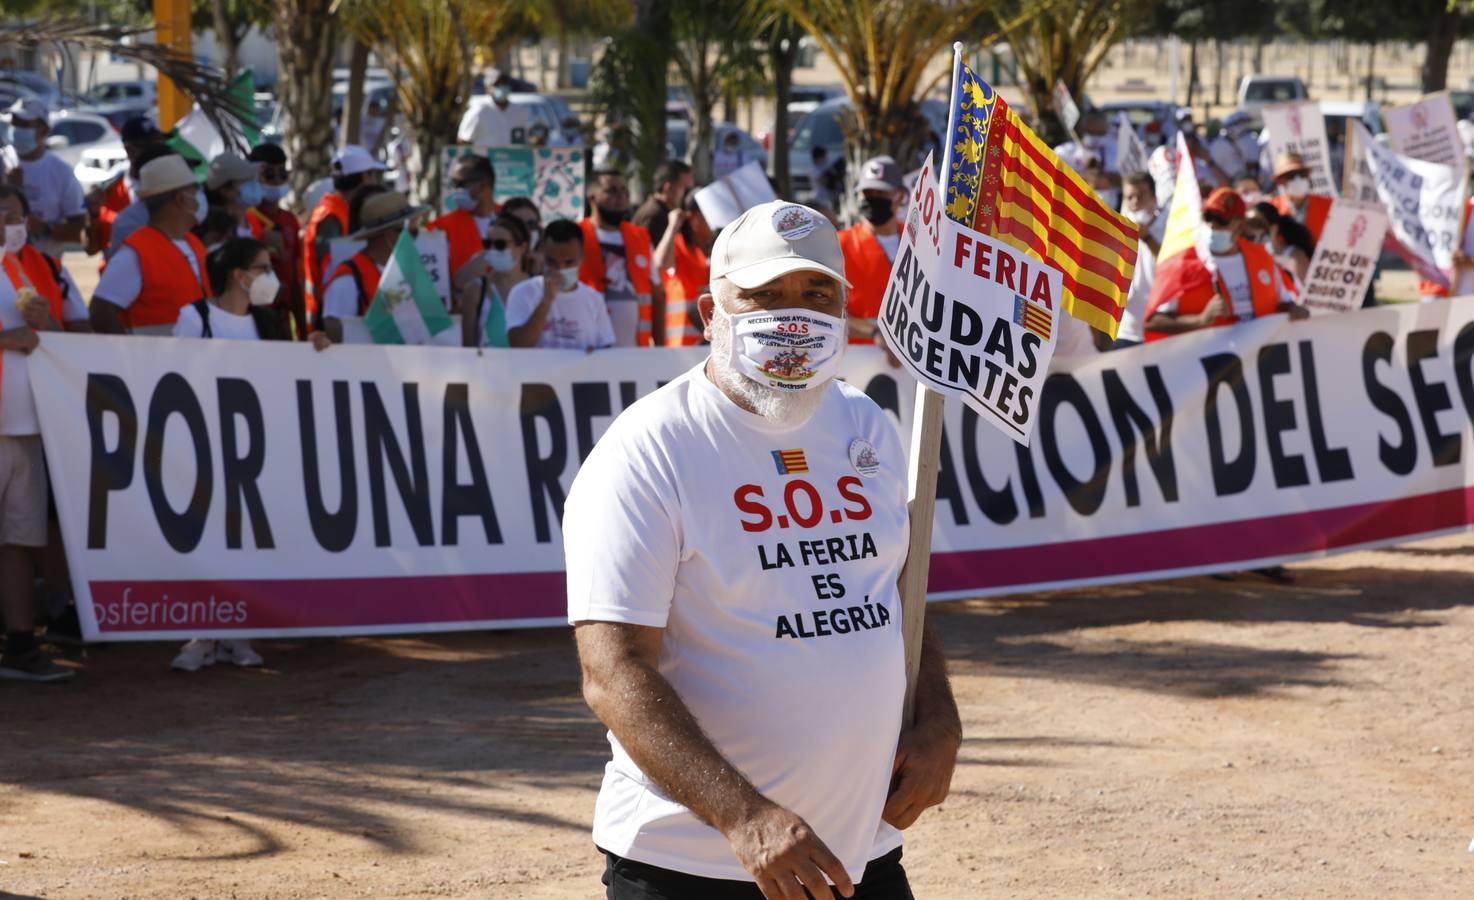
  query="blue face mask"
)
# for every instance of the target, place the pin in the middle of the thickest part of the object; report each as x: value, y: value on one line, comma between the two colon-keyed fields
x: 461, y: 199
x: 250, y: 193
x: 202, y: 206
x: 23, y: 139
x: 274, y: 192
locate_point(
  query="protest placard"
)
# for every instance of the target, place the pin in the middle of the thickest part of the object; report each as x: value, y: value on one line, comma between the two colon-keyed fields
x: 1064, y: 107
x: 552, y: 176
x: 1423, y: 202
x: 434, y: 253
x: 970, y: 316
x: 1131, y: 155
x: 722, y: 201
x: 1345, y: 257
x: 1298, y: 127
x: 1427, y: 129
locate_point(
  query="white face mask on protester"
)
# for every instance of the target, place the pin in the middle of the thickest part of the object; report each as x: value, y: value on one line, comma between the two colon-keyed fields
x: 1297, y: 187
x: 569, y: 277
x: 1142, y: 216
x: 502, y: 261
x: 755, y: 357
x: 1218, y: 241
x: 15, y: 239
x: 264, y: 289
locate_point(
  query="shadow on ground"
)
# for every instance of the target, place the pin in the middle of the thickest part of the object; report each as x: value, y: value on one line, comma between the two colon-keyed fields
x: 356, y: 736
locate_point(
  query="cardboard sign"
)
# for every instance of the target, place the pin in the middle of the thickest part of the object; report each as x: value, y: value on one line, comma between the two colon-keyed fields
x: 1427, y: 130
x: 1298, y: 127
x: 1131, y: 155
x: 730, y: 196
x: 434, y: 253
x: 970, y: 316
x: 1345, y: 257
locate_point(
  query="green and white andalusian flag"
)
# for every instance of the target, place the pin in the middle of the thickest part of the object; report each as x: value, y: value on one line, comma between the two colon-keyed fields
x: 406, y: 308
x: 197, y: 139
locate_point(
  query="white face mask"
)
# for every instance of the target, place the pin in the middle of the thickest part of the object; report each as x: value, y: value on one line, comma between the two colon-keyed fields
x: 15, y: 239
x: 1297, y: 187
x: 1217, y: 241
x: 788, y: 349
x: 503, y: 261
x: 1142, y: 216
x: 734, y: 363
x: 569, y: 277
x: 264, y: 289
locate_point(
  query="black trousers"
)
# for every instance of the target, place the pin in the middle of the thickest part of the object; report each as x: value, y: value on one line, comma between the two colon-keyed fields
x: 625, y: 879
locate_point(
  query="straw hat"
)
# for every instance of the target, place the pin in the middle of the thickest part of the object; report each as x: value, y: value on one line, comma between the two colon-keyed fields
x: 381, y: 212
x: 1288, y: 163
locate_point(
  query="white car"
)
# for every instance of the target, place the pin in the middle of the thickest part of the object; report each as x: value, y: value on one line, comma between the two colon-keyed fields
x: 73, y: 133
x: 101, y: 163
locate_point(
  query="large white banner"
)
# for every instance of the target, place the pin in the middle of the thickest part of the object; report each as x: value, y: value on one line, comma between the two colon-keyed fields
x: 1298, y: 127
x: 1423, y: 200
x: 266, y: 489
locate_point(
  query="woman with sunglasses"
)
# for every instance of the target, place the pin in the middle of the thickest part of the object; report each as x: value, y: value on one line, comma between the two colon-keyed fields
x: 1229, y: 280
x: 283, y: 235
x: 525, y: 210
x: 507, y: 246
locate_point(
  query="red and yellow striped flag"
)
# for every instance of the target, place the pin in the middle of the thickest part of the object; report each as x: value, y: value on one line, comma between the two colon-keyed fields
x: 1003, y: 181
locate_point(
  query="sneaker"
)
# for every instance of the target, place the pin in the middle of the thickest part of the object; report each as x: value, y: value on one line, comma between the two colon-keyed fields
x: 194, y: 656
x: 33, y: 666
x: 238, y: 652
x: 65, y: 628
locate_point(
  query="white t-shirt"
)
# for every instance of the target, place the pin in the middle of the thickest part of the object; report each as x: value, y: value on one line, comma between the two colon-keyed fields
x: 17, y: 407
x: 133, y: 217
x: 486, y: 125
x: 122, y: 280
x: 224, y: 325
x: 577, y: 320
x: 890, y: 243
x: 54, y: 193
x: 678, y: 521
x: 1133, y: 317
x: 340, y: 299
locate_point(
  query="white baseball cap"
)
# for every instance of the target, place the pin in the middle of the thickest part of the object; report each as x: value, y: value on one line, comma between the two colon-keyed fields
x: 229, y: 167
x: 352, y: 159
x: 773, y: 239
x: 29, y: 109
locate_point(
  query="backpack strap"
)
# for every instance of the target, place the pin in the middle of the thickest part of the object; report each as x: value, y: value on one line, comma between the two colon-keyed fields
x: 202, y: 306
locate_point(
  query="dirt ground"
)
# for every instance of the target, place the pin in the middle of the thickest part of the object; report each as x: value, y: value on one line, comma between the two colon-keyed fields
x: 1192, y: 738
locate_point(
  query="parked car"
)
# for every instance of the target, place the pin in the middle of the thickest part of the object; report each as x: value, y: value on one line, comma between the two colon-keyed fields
x: 678, y: 141
x: 1259, y: 91
x: 99, y: 163
x: 73, y: 132
x: 120, y: 112
x: 541, y: 110
x: 822, y: 128
x: 677, y: 102
x: 1154, y: 120
x: 16, y: 84
x: 568, y: 121
x: 135, y: 92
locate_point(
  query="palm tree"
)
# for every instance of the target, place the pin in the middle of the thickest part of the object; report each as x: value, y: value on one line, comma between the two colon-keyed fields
x: 307, y: 33
x: 713, y: 56
x: 883, y: 49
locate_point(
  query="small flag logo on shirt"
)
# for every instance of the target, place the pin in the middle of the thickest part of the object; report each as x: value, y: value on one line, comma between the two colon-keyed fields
x: 790, y: 462
x: 1031, y: 316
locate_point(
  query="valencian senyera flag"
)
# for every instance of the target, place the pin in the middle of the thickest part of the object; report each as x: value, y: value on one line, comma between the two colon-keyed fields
x: 1002, y: 180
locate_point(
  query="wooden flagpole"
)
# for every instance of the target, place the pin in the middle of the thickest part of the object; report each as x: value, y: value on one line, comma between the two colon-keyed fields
x: 921, y: 480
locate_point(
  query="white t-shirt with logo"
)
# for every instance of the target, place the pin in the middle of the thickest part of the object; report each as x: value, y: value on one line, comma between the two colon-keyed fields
x: 737, y: 536
x: 17, y: 407
x: 577, y: 320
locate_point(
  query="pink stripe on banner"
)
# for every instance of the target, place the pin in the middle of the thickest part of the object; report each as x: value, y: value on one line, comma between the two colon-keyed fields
x: 1219, y: 544
x: 414, y: 603
x: 127, y: 606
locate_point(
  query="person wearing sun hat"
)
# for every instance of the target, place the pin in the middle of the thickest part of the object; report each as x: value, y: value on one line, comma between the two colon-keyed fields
x: 754, y: 707
x: 1294, y: 199
x: 378, y: 217
x: 160, y: 268
x: 1230, y: 279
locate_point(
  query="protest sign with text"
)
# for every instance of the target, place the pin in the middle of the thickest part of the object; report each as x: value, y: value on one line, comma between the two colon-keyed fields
x: 969, y: 315
x: 1423, y: 202
x: 1298, y: 127
x: 1427, y: 129
x: 434, y: 253
x: 265, y: 489
x: 1345, y: 257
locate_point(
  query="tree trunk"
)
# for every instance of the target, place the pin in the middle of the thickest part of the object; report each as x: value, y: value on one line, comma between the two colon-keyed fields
x: 225, y: 34
x: 703, y: 104
x: 782, y: 56
x: 565, y: 62
x: 1258, y: 55
x: 1443, y: 31
x: 653, y: 18
x: 306, y: 33
x: 1192, y: 71
x: 1218, y: 75
x: 1371, y: 68
x: 350, y: 130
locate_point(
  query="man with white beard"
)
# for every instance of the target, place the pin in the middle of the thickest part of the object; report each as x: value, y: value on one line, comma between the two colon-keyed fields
x: 733, y: 547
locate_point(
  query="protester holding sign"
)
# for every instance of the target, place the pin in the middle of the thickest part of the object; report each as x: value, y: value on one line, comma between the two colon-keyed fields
x: 689, y: 572
x: 556, y: 310
x: 1294, y: 199
x: 1233, y: 279
x: 381, y: 216
x: 617, y: 261
x: 871, y: 244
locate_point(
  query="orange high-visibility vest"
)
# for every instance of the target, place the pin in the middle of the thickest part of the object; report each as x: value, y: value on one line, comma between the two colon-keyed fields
x: 637, y: 256
x: 169, y: 284
x: 44, y: 274
x: 461, y: 234
x: 332, y: 205
x: 867, y: 269
x: 365, y: 273
x: 1317, y: 207
x: 1264, y: 292
x: 684, y: 283
x: 114, y: 201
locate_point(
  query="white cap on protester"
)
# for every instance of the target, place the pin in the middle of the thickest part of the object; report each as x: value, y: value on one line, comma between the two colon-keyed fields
x: 773, y: 239
x: 167, y: 173
x: 29, y: 109
x: 229, y: 167
x: 352, y: 159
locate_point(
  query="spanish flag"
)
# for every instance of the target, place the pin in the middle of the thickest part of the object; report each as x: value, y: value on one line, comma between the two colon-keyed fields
x: 1003, y: 181
x: 1179, y: 266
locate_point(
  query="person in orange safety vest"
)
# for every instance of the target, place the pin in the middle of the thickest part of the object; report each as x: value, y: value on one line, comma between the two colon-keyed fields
x: 618, y: 261
x: 870, y: 245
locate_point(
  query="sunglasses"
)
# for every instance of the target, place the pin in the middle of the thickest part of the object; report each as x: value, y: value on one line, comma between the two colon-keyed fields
x: 1215, y: 219
x: 272, y: 173
x: 498, y: 244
